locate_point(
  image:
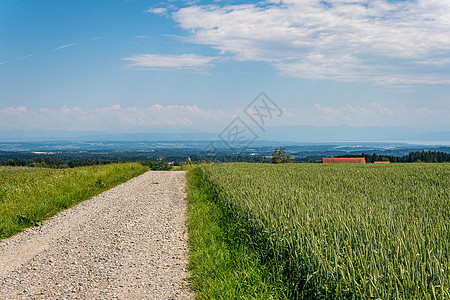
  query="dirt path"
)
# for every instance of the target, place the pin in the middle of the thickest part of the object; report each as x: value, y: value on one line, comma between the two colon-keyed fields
x: 128, y: 243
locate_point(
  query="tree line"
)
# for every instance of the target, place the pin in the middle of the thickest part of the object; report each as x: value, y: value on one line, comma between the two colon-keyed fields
x: 418, y: 156
x: 279, y: 156
x: 51, y: 162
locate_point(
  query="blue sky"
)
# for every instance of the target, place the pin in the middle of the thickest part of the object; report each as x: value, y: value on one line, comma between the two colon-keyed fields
x: 137, y: 66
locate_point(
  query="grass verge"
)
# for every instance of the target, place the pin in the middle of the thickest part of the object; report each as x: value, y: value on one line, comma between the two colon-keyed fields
x: 223, y: 263
x: 30, y: 195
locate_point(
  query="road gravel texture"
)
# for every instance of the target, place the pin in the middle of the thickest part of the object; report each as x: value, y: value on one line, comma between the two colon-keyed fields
x: 129, y: 242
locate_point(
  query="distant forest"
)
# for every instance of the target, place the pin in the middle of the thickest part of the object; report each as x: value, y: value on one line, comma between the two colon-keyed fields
x: 51, y: 162
x: 419, y: 156
x: 159, y: 161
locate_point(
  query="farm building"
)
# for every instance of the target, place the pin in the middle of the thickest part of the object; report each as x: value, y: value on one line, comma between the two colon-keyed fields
x: 381, y: 162
x: 344, y: 160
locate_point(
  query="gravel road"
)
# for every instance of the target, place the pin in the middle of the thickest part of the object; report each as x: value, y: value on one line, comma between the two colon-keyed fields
x: 129, y: 242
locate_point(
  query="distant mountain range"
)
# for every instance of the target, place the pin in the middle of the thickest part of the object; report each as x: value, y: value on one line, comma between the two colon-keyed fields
x: 291, y: 134
x: 348, y: 133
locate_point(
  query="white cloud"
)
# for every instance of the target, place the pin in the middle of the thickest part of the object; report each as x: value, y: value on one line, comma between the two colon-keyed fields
x: 14, y: 110
x: 190, y: 62
x: 17, y: 59
x: 157, y: 10
x: 94, y: 39
x: 63, y: 46
x: 401, y: 42
x: 115, y: 107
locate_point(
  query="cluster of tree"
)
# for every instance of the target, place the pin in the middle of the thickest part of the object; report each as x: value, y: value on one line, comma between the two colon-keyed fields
x: 418, y: 156
x: 157, y: 165
x: 51, y: 162
x: 85, y: 158
x: 280, y: 156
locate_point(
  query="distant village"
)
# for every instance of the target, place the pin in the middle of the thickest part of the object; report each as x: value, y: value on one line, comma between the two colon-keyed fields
x: 178, y: 163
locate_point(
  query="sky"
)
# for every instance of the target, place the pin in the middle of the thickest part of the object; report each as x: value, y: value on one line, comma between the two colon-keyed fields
x: 144, y: 66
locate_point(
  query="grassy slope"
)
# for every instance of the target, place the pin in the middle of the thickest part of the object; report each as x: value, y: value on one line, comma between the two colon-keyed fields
x: 30, y: 195
x: 337, y: 231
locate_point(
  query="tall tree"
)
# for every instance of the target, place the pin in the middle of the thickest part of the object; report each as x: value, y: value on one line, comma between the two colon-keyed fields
x: 280, y: 156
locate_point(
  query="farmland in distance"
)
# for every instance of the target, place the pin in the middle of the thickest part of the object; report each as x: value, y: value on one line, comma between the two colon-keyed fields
x: 343, y: 231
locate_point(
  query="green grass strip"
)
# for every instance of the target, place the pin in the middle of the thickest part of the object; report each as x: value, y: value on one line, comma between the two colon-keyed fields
x: 223, y: 263
x: 30, y: 195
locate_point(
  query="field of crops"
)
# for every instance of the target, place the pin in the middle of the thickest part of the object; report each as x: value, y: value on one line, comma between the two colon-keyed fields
x: 30, y: 195
x: 344, y: 231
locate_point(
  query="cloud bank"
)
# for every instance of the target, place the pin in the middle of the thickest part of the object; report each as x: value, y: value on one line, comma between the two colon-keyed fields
x: 386, y: 42
x: 208, y: 120
x: 110, y: 118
